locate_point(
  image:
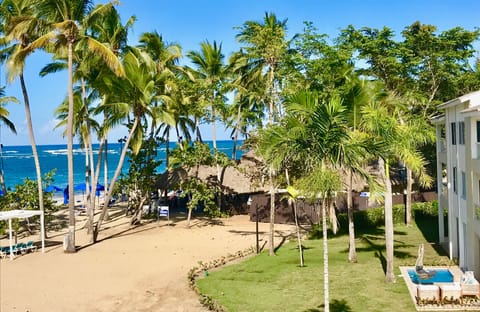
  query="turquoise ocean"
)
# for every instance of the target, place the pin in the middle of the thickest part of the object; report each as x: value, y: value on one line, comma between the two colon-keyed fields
x: 18, y: 163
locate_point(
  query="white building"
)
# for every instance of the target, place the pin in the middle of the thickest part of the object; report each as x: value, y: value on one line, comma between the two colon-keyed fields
x: 458, y: 172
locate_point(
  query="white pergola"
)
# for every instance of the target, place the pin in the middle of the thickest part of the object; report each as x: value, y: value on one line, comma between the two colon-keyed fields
x: 22, y: 214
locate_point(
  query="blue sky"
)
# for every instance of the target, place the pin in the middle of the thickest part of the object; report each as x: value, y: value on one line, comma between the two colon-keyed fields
x: 188, y: 22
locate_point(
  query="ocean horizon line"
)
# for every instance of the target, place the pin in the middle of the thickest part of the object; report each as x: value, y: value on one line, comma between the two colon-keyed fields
x: 109, y: 143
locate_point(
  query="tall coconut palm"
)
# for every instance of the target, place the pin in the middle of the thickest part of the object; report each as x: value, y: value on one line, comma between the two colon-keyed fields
x: 20, y: 28
x: 265, y: 45
x: 249, y: 87
x: 109, y: 30
x: 131, y: 95
x: 210, y: 75
x: 66, y: 20
x: 166, y: 56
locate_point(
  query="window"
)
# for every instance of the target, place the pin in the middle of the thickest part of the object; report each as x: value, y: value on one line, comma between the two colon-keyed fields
x: 453, y: 133
x: 478, y: 131
x: 464, y: 185
x: 461, y: 132
x: 455, y: 179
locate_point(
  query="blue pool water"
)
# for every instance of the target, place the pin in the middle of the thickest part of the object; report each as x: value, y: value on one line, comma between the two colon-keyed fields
x: 439, y: 276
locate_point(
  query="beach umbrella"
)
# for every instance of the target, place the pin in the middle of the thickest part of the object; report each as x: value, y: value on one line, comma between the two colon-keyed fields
x: 83, y: 187
x: 53, y: 188
x: 80, y: 187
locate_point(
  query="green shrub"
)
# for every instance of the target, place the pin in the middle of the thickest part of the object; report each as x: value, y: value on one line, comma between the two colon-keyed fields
x: 374, y: 217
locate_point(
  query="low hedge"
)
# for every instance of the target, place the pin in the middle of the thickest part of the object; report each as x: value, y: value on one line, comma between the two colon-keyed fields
x: 374, y: 217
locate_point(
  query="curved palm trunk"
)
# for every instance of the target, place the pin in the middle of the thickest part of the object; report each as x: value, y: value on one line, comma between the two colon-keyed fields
x: 70, y: 246
x: 167, y: 149
x: 95, y: 176
x: 352, y: 253
x: 105, y: 173
x: 299, y: 240
x: 108, y: 192
x: 91, y: 189
x: 271, y: 249
x: 214, y: 139
x: 2, y: 182
x: 197, y: 130
x: 235, y: 136
x: 408, y: 202
x: 385, y: 173
x: 326, y: 286
x: 31, y: 135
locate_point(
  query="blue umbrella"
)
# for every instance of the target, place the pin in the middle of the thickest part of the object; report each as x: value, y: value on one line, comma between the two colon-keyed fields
x: 53, y: 188
x: 83, y: 187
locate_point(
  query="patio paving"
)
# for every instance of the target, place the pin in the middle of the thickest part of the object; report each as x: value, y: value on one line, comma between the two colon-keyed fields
x: 412, y: 289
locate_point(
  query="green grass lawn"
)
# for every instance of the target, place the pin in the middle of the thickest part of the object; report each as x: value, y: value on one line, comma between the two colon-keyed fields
x: 264, y: 283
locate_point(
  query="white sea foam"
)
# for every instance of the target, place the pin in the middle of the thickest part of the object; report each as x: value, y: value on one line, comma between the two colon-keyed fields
x: 63, y: 151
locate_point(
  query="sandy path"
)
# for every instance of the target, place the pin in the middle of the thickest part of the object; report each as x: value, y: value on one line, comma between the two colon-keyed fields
x: 141, y: 269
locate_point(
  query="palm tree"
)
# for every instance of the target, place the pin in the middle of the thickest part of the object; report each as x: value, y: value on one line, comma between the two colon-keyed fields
x: 20, y: 27
x: 249, y: 87
x: 67, y: 21
x: 325, y: 183
x: 265, y: 46
x: 293, y: 197
x: 381, y: 121
x: 210, y: 75
x: 4, y: 113
x: 166, y: 56
x: 138, y: 88
x: 360, y: 149
x: 83, y: 124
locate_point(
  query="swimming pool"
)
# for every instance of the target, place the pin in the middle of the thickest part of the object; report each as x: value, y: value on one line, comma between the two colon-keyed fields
x: 439, y: 276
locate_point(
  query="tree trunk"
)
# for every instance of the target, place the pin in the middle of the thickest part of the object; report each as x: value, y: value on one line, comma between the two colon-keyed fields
x: 214, y: 140
x: 95, y: 176
x: 105, y: 175
x: 70, y: 238
x: 137, y: 216
x: 333, y: 218
x: 235, y: 135
x: 2, y: 181
x: 108, y: 192
x: 189, y: 216
x: 91, y: 200
x: 167, y: 149
x: 325, y: 257
x: 197, y: 130
x: 299, y: 240
x: 389, y: 238
x: 352, y: 253
x: 28, y: 117
x: 271, y: 248
x: 408, y: 200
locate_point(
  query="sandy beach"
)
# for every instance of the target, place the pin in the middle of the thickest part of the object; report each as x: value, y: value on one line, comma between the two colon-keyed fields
x: 141, y: 268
